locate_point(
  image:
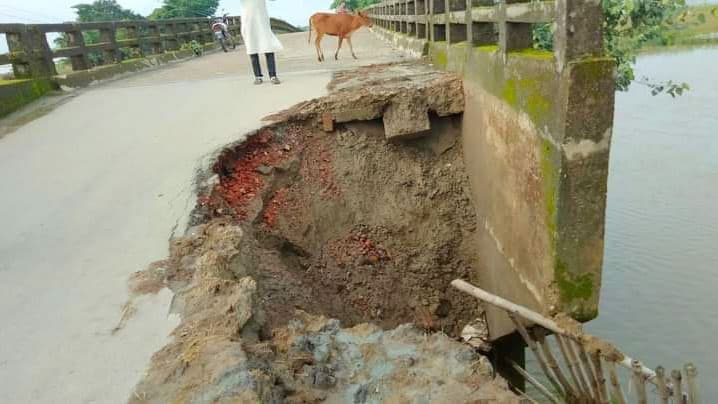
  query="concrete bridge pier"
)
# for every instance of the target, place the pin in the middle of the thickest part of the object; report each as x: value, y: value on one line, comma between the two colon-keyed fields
x: 536, y: 133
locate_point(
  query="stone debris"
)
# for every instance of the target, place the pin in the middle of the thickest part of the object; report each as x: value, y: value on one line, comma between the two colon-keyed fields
x: 217, y: 355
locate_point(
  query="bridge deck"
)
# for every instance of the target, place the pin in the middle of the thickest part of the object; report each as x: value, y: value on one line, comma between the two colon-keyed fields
x: 92, y: 191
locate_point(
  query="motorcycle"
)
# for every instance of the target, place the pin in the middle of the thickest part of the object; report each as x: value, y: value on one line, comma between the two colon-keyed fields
x: 220, y: 28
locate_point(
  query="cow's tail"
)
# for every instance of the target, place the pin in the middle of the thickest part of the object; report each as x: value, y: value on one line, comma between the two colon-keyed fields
x: 310, y: 31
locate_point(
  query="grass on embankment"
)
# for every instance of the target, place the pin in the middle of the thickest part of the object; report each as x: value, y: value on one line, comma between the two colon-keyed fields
x: 698, y: 25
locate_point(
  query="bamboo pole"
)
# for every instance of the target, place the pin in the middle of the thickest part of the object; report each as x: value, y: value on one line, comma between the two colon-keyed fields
x: 600, y: 378
x: 589, y: 370
x: 662, y: 388
x: 535, y: 318
x: 616, y: 392
x: 540, y: 387
x: 526, y: 397
x: 586, y: 385
x: 639, y: 383
x: 571, y: 364
x: 677, y: 386
x: 692, y: 383
x: 532, y: 344
x: 551, y: 360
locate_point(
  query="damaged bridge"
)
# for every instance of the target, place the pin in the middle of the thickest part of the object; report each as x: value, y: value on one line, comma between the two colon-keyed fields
x: 452, y: 149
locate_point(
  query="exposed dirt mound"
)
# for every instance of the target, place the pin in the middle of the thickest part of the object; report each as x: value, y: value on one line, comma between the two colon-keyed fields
x: 217, y: 355
x: 349, y: 226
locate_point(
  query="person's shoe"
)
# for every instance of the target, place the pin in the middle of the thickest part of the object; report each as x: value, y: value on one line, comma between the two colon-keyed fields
x: 275, y: 80
x: 258, y: 81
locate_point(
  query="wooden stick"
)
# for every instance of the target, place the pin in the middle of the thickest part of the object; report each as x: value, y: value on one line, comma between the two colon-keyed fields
x: 589, y: 370
x: 532, y: 344
x: 661, y: 382
x: 692, y: 383
x: 677, y: 386
x: 616, y: 392
x: 639, y: 383
x: 571, y: 365
x: 540, y: 387
x: 535, y: 318
x: 585, y: 385
x: 600, y: 377
x: 526, y: 396
x: 551, y: 360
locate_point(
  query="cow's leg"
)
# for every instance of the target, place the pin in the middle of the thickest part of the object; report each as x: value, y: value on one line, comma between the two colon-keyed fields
x: 336, y: 55
x: 349, y: 40
x: 318, y: 44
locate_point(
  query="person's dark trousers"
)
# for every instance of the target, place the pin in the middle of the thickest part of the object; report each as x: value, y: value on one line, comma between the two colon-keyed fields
x: 271, y: 65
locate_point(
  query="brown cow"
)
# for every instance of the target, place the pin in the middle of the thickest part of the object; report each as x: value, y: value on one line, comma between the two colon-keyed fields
x: 339, y: 25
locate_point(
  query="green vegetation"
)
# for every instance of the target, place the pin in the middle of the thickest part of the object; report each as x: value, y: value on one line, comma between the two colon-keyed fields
x: 97, y: 11
x: 16, y: 93
x: 185, y: 8
x: 353, y: 4
x: 697, y: 25
x: 104, y: 10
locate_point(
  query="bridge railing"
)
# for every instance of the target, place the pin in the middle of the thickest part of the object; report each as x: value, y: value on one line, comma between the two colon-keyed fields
x: 508, y: 24
x: 31, y: 55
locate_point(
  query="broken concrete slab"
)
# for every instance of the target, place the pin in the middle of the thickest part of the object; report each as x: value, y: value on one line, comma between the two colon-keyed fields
x: 402, y: 94
x: 405, y: 120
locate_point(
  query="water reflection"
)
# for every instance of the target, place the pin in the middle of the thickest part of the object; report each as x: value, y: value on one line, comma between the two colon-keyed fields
x: 660, y: 284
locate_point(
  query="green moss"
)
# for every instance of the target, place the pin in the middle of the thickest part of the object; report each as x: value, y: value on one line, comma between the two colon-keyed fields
x: 12, y: 82
x: 549, y: 174
x: 532, y: 53
x: 571, y: 287
x: 510, y: 94
x: 439, y: 55
x: 527, y: 95
x: 15, y: 94
x: 487, y: 48
x: 537, y: 106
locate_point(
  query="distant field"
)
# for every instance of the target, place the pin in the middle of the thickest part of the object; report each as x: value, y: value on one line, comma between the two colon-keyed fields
x: 698, y: 26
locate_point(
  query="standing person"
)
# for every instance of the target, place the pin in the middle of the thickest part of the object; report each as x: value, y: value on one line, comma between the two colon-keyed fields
x: 342, y: 9
x: 259, y: 38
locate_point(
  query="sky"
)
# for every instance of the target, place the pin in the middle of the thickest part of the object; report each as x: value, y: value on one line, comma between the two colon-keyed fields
x: 42, y: 11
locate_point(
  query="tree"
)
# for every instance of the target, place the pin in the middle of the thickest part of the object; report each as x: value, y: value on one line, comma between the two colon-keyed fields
x: 104, y: 10
x: 353, y: 4
x: 97, y: 11
x: 185, y: 9
x: 629, y: 26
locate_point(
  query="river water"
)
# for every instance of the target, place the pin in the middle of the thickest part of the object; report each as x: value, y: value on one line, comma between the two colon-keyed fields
x: 659, y: 299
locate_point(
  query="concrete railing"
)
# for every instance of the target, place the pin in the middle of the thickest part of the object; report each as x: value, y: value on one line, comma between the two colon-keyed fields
x: 32, y: 57
x: 536, y: 133
x: 507, y: 24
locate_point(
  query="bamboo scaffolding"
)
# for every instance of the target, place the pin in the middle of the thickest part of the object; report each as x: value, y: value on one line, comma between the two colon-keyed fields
x: 593, y: 381
x: 662, y: 388
x: 692, y: 383
x: 535, y: 318
x: 677, y: 386
x: 532, y: 345
x: 600, y: 377
x: 639, y: 383
x: 616, y: 391
x: 551, y: 360
x: 571, y: 364
x: 582, y: 373
x: 540, y: 387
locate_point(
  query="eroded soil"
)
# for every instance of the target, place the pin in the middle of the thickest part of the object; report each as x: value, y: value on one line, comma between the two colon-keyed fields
x: 318, y: 267
x: 349, y: 226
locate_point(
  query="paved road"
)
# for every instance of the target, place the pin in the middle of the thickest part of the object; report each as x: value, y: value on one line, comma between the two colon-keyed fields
x: 92, y: 191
